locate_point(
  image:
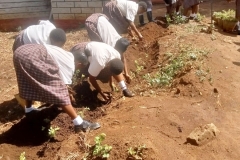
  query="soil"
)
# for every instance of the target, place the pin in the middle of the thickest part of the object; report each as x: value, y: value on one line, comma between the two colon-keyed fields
x: 204, y: 91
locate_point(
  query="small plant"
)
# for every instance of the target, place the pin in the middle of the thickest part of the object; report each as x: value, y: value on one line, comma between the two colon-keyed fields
x: 52, y: 131
x: 81, y: 113
x: 100, y: 150
x: 199, y: 17
x: 22, y: 156
x: 136, y: 152
x: 139, y: 67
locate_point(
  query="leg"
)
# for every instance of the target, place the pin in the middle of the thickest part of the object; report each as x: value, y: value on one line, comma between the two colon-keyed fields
x: 79, y: 123
x: 120, y: 79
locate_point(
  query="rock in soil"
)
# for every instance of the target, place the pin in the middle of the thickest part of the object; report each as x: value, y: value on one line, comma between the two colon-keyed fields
x: 203, y: 134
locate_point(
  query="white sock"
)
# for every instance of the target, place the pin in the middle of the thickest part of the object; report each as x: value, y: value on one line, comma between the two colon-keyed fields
x: 122, y: 85
x: 27, y: 110
x: 77, y: 121
x: 192, y: 15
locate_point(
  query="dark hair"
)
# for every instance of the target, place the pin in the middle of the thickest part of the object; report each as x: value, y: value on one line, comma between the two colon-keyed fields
x: 142, y: 4
x: 122, y: 45
x: 116, y: 66
x: 58, y: 35
x: 80, y: 56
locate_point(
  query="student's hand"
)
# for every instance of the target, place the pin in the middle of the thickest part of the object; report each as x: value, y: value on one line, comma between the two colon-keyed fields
x: 140, y: 37
x: 107, y: 97
x: 127, y: 78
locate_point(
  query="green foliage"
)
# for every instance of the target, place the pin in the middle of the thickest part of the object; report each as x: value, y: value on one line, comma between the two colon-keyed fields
x: 228, y: 15
x: 199, y: 17
x: 81, y: 113
x: 52, y: 131
x: 175, y: 65
x: 22, y: 156
x: 138, y: 65
x: 100, y: 150
x: 136, y: 152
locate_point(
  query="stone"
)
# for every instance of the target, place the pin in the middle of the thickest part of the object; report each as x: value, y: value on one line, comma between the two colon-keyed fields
x: 203, y: 134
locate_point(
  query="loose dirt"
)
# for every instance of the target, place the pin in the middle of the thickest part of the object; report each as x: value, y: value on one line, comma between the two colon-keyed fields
x: 205, y: 90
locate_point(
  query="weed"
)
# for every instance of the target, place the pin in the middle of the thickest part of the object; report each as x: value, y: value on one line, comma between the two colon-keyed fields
x: 199, y: 17
x: 22, y: 156
x: 176, y: 65
x: 52, y: 131
x: 139, y: 67
x: 136, y: 152
x: 100, y: 150
x: 81, y: 113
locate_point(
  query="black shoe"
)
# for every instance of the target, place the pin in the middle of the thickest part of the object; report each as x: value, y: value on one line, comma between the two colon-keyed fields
x: 141, y: 20
x: 149, y: 16
x: 85, y: 126
x: 127, y: 93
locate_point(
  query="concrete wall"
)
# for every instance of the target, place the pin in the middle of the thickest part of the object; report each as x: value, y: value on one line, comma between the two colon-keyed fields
x: 12, y: 9
x: 76, y: 9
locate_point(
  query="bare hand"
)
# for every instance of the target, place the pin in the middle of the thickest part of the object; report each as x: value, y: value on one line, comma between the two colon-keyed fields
x: 127, y: 78
x: 107, y: 97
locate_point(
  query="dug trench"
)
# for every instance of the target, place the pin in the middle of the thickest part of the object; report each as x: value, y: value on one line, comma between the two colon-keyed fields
x: 143, y: 57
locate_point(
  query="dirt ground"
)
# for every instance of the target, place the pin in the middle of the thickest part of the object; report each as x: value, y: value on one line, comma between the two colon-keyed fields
x: 205, y: 91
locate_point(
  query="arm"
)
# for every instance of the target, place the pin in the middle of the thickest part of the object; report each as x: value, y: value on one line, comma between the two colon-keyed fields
x: 93, y: 81
x: 132, y: 25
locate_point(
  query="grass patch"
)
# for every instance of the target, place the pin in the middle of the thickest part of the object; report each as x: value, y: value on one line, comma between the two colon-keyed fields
x: 175, y: 65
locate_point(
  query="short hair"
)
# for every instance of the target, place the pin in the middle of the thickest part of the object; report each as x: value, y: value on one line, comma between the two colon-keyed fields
x: 116, y: 66
x: 122, y: 45
x: 58, y: 35
x: 80, y: 57
x: 142, y: 4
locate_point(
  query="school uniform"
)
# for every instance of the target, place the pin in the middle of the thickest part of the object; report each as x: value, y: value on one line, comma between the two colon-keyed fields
x: 43, y: 72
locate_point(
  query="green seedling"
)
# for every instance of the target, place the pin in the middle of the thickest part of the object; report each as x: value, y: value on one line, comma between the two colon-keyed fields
x: 136, y: 152
x: 100, y: 150
x: 81, y: 113
x: 22, y: 156
x: 52, y: 131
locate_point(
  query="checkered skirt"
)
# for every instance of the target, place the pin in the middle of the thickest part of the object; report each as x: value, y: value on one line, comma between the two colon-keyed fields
x: 18, y: 41
x: 91, y: 26
x: 38, y: 76
x: 189, y: 3
x: 115, y: 16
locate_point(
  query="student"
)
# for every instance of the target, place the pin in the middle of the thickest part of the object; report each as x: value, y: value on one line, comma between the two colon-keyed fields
x: 42, y: 74
x: 101, y: 30
x: 190, y: 5
x: 149, y: 12
x: 237, y: 15
x: 103, y: 62
x: 170, y: 7
x: 35, y: 34
x: 121, y: 14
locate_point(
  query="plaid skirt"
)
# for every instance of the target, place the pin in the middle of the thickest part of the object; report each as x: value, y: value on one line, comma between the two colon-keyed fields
x: 238, y: 9
x: 189, y: 3
x: 18, y: 41
x: 118, y: 21
x: 38, y: 76
x: 91, y: 26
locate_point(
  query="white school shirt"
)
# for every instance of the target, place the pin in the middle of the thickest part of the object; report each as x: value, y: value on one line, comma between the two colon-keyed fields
x: 107, y: 32
x: 101, y: 54
x: 38, y: 34
x: 64, y: 60
x: 128, y: 9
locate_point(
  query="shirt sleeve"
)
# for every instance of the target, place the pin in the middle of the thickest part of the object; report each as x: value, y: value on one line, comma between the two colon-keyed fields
x: 94, y: 68
x: 132, y: 9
